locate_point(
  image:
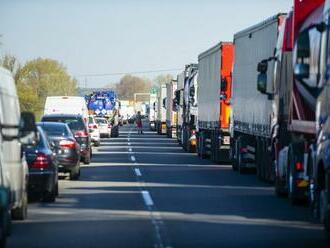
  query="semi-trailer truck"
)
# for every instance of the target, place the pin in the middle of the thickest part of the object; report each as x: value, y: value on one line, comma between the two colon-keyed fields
x: 190, y: 108
x: 179, y: 106
x: 171, y: 113
x: 214, y: 101
x: 251, y: 118
x: 293, y: 97
x: 152, y: 111
x: 161, y: 110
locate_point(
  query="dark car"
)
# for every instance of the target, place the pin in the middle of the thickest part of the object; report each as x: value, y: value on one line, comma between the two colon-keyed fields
x: 43, y: 168
x: 79, y: 130
x: 66, y: 147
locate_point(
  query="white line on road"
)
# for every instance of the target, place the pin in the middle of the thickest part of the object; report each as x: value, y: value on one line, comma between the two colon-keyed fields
x: 133, y: 158
x: 130, y: 149
x: 129, y: 143
x: 147, y: 198
x: 137, y: 172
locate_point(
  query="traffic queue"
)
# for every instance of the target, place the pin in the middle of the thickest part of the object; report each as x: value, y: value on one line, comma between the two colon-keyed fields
x: 33, y: 155
x: 260, y: 103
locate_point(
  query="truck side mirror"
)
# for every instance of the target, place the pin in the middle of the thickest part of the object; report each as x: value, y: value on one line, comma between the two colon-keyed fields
x: 223, y: 84
x: 27, y: 124
x: 262, y: 83
x: 164, y: 103
x: 301, y: 71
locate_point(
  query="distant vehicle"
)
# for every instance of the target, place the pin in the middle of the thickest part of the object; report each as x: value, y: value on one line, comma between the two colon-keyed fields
x: 104, y: 127
x: 14, y: 132
x: 161, y: 110
x: 94, y: 130
x: 65, y: 146
x: 103, y: 103
x: 75, y: 105
x: 43, y: 168
x: 171, y: 113
x: 152, y: 110
x: 79, y: 130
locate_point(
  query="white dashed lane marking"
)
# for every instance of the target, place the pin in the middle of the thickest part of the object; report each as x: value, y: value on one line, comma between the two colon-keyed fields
x: 147, y: 198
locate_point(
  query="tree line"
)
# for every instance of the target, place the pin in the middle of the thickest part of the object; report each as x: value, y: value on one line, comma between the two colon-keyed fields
x: 38, y: 78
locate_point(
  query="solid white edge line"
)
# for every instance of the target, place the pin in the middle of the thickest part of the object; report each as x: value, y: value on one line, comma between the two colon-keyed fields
x: 137, y: 172
x: 147, y: 198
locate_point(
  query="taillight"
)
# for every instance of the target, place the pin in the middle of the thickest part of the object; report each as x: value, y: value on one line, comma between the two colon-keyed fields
x: 299, y: 166
x: 67, y: 144
x: 81, y: 134
x: 193, y: 132
x: 109, y: 126
x: 40, y: 162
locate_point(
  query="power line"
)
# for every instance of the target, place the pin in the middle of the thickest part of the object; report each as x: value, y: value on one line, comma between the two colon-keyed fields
x: 123, y: 73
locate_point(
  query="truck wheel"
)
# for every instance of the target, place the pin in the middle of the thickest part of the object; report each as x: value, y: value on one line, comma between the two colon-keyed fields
x: 290, y: 181
x: 20, y: 213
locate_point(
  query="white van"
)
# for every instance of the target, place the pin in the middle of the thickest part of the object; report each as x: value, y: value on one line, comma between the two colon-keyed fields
x: 15, y: 129
x: 66, y: 105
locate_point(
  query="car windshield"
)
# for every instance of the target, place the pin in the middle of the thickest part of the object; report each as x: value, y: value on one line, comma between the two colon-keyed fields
x: 73, y: 122
x: 55, y: 130
x: 101, y: 121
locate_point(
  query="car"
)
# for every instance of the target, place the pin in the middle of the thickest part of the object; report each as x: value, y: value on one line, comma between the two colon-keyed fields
x: 15, y: 130
x: 43, y: 168
x: 94, y: 131
x: 79, y: 130
x: 66, y: 105
x: 66, y: 147
x: 104, y: 127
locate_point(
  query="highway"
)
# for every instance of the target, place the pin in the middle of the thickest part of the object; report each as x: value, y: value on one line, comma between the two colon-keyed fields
x: 145, y: 191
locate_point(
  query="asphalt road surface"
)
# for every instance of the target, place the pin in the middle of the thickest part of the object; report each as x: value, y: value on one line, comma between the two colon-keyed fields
x: 145, y: 191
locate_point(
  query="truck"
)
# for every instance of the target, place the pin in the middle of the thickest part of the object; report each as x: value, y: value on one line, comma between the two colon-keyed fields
x: 251, y: 111
x: 190, y: 108
x: 104, y: 103
x: 161, y: 110
x: 171, y: 114
x: 179, y: 105
x: 320, y: 173
x: 214, y: 101
x: 293, y: 97
x: 152, y: 110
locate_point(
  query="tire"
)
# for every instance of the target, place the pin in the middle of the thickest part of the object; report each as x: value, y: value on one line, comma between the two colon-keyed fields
x: 50, y: 196
x: 5, y: 226
x: 20, y: 213
x: 87, y: 160
x: 291, y: 186
x: 279, y: 191
x: 75, y: 174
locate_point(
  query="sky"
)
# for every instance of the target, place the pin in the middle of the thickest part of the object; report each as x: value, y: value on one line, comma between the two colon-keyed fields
x: 118, y: 36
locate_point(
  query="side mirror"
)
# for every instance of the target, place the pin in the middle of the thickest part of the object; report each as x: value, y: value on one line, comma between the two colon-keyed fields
x: 192, y: 91
x: 223, y: 84
x: 262, y: 67
x: 301, y: 71
x: 164, y: 103
x: 223, y: 97
x: 262, y: 83
x: 27, y: 123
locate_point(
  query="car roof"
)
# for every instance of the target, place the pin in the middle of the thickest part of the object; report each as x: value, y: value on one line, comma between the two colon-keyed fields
x: 50, y: 123
x: 63, y: 115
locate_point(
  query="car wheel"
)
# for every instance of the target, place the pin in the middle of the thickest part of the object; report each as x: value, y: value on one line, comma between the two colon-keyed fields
x: 87, y: 160
x: 56, y: 190
x: 75, y: 173
x: 20, y: 213
x: 50, y: 196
